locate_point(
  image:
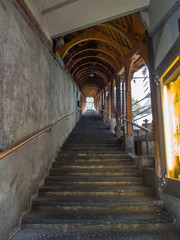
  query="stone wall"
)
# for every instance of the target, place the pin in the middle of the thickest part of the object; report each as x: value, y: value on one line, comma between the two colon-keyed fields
x: 34, y: 93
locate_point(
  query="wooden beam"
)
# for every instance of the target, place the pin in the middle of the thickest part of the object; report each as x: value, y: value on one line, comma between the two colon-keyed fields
x: 90, y: 35
x: 102, y: 49
x: 122, y: 31
x: 90, y: 62
x: 99, y: 73
x: 114, y: 64
x: 89, y: 68
x: 139, y: 48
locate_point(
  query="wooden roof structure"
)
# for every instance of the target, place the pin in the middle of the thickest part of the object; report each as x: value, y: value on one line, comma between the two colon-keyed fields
x: 95, y: 55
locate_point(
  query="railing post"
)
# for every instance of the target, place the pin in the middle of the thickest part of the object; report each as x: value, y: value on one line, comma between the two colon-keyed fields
x: 147, y: 138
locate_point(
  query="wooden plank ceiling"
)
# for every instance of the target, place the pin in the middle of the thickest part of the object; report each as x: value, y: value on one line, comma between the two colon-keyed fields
x: 95, y: 55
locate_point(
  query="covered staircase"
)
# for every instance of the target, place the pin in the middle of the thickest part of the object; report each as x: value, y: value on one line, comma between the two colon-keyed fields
x: 94, y: 191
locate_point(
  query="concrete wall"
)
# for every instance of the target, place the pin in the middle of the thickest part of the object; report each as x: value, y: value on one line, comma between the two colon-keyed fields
x: 35, y: 92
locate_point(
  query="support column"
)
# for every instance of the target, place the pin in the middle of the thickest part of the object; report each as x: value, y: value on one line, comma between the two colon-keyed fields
x: 128, y: 97
x: 109, y: 99
x: 118, y: 100
x: 105, y: 104
x: 123, y: 102
x: 118, y: 106
x: 112, y: 97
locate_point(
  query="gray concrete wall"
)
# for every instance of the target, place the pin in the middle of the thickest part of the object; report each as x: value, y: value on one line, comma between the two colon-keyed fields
x: 34, y: 93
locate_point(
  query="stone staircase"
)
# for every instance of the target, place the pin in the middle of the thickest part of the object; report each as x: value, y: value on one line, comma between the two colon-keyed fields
x: 94, y: 191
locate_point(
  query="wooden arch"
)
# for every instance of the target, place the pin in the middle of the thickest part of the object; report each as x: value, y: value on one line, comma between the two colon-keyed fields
x: 95, y: 63
x: 91, y: 35
x: 102, y: 49
x: 114, y: 64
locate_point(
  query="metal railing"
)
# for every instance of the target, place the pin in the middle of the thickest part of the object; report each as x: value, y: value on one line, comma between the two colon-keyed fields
x: 47, y: 129
x: 105, y: 111
x: 134, y: 124
x: 141, y: 127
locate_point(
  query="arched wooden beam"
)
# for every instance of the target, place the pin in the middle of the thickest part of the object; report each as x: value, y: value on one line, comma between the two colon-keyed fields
x: 114, y: 65
x: 96, y: 79
x: 94, y: 85
x: 95, y: 73
x: 102, y: 49
x: 90, y: 62
x: 89, y: 68
x: 87, y: 36
x: 115, y: 28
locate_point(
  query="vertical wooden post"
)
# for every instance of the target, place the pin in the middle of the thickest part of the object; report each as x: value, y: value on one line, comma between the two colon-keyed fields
x: 128, y: 96
x: 105, y: 104
x: 109, y: 99
x: 112, y: 97
x: 123, y: 103
x: 118, y: 101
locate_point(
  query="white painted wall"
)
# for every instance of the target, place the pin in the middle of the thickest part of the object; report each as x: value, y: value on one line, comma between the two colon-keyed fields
x: 36, y: 11
x: 157, y: 10
x: 164, y: 39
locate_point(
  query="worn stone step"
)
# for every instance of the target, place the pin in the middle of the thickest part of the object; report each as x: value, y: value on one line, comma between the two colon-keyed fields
x: 51, y: 199
x: 94, y: 166
x: 93, y: 163
x: 91, y: 179
x: 95, y: 158
x: 95, y: 191
x: 111, y: 154
x: 93, y: 170
x: 94, y: 218
x: 93, y: 233
x: 95, y: 174
x: 110, y: 208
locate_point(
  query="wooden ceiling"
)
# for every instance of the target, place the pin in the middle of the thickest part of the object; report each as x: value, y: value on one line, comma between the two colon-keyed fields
x: 95, y: 55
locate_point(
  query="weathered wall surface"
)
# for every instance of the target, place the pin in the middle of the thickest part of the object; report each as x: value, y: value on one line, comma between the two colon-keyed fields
x: 34, y: 93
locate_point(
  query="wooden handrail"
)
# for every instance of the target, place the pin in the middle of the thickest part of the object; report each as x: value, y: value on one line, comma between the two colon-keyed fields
x: 135, y: 124
x: 23, y: 142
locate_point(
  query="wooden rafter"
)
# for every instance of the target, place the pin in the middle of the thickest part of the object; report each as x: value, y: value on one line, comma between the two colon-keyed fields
x: 90, y: 68
x: 95, y: 63
x: 91, y: 35
x: 119, y: 30
x: 102, y: 57
x: 102, y: 49
x: 95, y: 72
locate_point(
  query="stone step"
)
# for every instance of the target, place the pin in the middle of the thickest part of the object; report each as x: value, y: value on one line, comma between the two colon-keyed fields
x: 116, y: 191
x: 141, y: 199
x: 107, y: 232
x: 94, y: 180
x: 90, y: 148
x: 111, y: 154
x: 97, y: 163
x: 95, y: 158
x: 52, y: 217
x: 94, y: 166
